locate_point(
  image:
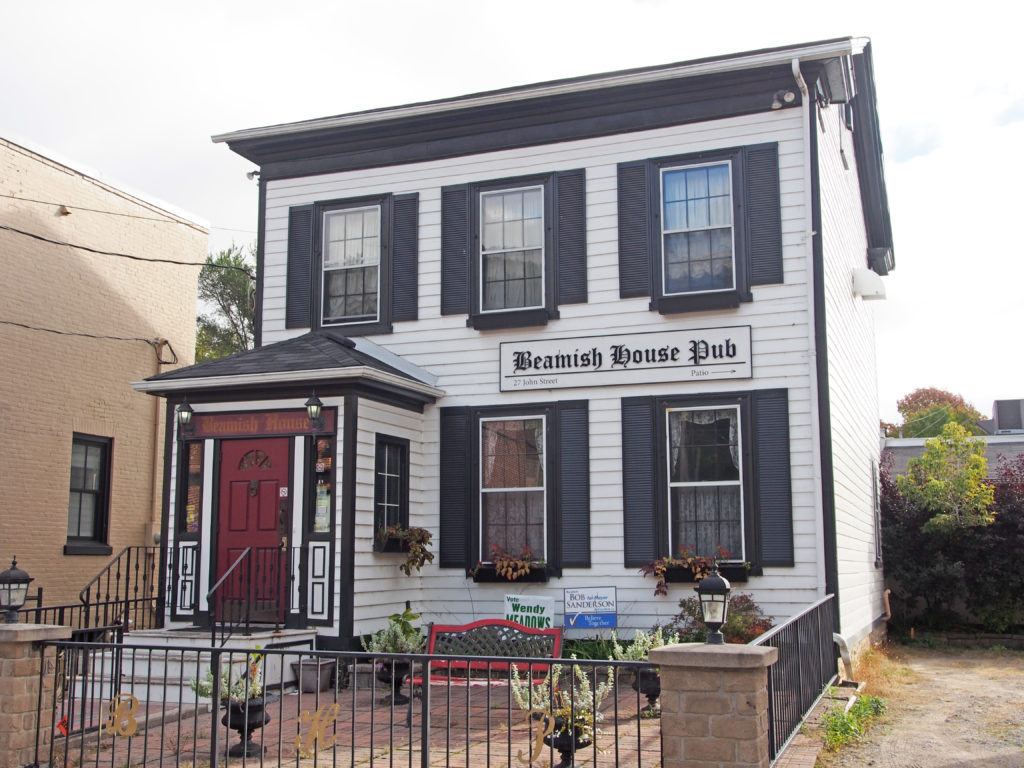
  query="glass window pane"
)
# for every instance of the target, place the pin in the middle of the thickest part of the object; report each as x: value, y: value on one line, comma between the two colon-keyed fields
x: 533, y: 233
x: 533, y: 263
x: 512, y: 453
x: 77, y: 465
x: 74, y: 503
x: 674, y: 186
x: 719, y: 182
x: 515, y: 294
x: 513, y: 234
x: 697, y: 183
x: 494, y: 295
x: 493, y: 234
x: 87, y: 515
x: 514, y: 266
x: 370, y: 279
x: 492, y: 209
x: 513, y: 206
x: 371, y: 222
x: 675, y: 216
x: 533, y: 204
x: 353, y: 281
x: 697, y: 213
x: 534, y: 292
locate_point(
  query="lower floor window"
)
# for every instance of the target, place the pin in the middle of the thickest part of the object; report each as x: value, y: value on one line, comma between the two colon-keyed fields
x: 705, y: 481
x: 89, y: 488
x: 512, y: 487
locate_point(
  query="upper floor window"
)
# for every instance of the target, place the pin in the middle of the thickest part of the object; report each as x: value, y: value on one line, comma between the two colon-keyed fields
x: 696, y: 223
x: 351, y: 265
x: 696, y: 232
x: 89, y: 495
x: 512, y: 249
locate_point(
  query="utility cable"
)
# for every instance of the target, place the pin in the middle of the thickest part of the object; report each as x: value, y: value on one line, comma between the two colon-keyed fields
x: 245, y: 271
x: 156, y: 343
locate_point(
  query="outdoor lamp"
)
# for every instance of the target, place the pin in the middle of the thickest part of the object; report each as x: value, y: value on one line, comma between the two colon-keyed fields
x: 314, y: 409
x: 185, y: 417
x: 13, y: 591
x: 713, y: 593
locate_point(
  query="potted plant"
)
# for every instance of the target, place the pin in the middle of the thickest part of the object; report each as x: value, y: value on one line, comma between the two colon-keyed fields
x: 413, y: 541
x: 399, y: 636
x: 244, y: 699
x: 647, y: 680
x: 504, y: 566
x: 690, y: 567
x: 571, y: 716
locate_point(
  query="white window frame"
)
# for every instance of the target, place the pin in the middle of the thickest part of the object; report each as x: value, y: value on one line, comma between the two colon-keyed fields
x: 542, y: 555
x: 674, y: 545
x: 480, y: 254
x: 661, y: 215
x: 324, y: 268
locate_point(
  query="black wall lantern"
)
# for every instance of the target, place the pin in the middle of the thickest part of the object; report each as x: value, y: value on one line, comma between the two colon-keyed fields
x: 713, y: 593
x: 13, y: 591
x: 185, y: 425
x: 314, y: 410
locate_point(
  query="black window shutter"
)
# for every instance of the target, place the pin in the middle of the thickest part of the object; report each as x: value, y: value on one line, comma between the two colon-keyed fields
x: 455, y: 250
x: 405, y: 257
x: 298, y: 311
x: 639, y: 480
x: 570, y: 196
x: 456, y: 480
x: 574, y: 483
x: 634, y: 231
x: 764, y: 216
x: 772, y: 476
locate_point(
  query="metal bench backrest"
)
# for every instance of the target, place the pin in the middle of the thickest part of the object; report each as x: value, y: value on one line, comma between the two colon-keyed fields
x: 492, y: 637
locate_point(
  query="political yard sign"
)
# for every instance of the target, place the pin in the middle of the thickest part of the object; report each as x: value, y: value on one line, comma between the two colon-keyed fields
x: 530, y: 611
x: 590, y: 608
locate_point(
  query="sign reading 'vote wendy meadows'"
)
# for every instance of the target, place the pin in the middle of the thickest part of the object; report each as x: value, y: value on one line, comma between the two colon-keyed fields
x: 698, y: 354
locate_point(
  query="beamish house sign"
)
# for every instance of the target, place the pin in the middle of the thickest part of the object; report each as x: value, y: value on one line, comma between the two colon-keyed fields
x: 699, y: 354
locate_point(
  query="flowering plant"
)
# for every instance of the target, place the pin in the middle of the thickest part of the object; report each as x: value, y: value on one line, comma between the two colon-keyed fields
x: 642, y: 643
x: 415, y: 541
x: 578, y: 706
x: 508, y: 566
x: 237, y: 688
x: 700, y: 565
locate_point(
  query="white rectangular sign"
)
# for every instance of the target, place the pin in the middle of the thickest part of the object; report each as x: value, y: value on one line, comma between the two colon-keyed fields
x: 590, y: 608
x: 698, y: 354
x: 530, y: 611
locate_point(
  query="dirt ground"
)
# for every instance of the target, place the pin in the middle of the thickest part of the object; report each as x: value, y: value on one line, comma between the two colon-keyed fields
x: 946, y: 708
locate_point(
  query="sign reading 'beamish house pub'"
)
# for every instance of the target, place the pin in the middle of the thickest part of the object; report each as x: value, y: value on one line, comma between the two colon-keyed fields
x: 699, y: 354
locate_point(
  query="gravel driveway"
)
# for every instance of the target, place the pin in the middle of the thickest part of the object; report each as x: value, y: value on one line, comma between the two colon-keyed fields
x: 956, y: 708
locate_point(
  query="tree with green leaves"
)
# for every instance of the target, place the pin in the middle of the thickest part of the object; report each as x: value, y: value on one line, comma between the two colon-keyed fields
x: 226, y: 283
x: 948, y: 482
x: 927, y: 410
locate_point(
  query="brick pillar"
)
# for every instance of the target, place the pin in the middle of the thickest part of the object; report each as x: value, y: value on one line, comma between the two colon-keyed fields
x: 714, y: 705
x: 20, y: 663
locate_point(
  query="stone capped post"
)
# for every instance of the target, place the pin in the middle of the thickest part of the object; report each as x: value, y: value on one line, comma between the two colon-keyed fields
x: 714, y: 705
x: 21, y: 661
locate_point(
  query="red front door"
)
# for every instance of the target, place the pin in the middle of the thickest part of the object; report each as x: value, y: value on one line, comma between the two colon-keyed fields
x: 253, y: 512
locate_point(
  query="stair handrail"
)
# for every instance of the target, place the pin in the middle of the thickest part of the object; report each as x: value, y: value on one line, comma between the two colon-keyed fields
x: 213, y: 613
x: 128, y: 603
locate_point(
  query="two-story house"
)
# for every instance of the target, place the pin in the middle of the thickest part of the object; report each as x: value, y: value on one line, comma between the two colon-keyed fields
x: 600, y: 319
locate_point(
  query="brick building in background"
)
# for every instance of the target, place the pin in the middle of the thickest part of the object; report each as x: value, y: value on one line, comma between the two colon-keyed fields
x: 80, y: 471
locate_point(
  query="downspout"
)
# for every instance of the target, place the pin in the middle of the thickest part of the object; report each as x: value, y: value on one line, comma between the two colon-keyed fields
x: 812, y: 350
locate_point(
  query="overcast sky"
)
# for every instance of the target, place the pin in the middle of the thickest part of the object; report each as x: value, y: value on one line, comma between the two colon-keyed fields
x: 134, y: 90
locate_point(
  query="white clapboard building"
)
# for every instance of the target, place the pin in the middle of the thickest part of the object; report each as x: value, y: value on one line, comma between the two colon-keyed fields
x: 599, y: 319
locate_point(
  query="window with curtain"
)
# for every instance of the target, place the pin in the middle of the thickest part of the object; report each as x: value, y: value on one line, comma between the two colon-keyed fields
x: 512, y: 486
x: 512, y: 249
x: 88, y: 504
x: 697, y: 229
x: 705, y: 481
x: 351, y: 262
x: 391, y: 482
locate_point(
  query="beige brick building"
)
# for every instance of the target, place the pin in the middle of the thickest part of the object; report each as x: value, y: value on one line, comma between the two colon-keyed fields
x: 65, y: 399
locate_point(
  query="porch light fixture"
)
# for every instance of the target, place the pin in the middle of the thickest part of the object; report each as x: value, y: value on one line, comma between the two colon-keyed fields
x: 314, y: 410
x: 13, y: 591
x: 185, y: 412
x: 713, y: 593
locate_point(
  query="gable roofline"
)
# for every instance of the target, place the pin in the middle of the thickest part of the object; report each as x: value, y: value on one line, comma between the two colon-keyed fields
x: 766, y: 57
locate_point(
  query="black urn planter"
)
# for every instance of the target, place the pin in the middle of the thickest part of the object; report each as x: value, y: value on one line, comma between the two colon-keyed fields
x: 566, y: 742
x: 247, y: 717
x: 394, y: 673
x: 648, y: 683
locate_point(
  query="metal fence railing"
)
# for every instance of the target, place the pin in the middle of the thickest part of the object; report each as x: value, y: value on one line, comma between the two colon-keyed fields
x: 151, y: 706
x: 806, y: 667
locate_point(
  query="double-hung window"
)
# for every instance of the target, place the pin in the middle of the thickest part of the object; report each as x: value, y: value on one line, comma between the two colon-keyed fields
x: 705, y: 481
x: 351, y: 265
x: 697, y: 231
x: 391, y: 483
x: 512, y: 249
x: 512, y: 486
x: 89, y: 495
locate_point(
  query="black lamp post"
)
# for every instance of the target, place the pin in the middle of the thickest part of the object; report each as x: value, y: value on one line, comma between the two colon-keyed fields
x: 185, y: 425
x: 713, y: 593
x: 314, y: 410
x: 13, y: 591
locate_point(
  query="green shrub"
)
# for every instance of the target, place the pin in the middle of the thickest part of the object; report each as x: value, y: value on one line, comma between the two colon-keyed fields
x: 840, y: 727
x: 746, y: 621
x: 597, y: 648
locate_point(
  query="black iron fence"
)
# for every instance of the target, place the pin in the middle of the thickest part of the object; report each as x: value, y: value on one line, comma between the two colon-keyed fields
x: 121, y: 597
x: 806, y: 667
x: 121, y: 705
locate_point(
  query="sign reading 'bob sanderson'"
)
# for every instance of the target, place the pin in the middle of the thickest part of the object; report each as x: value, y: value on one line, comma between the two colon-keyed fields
x: 637, y: 358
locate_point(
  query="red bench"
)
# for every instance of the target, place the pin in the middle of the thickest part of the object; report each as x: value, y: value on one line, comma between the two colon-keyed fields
x: 488, y: 637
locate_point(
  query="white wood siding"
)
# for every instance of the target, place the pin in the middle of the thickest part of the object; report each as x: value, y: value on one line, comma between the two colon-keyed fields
x: 466, y: 362
x: 853, y: 391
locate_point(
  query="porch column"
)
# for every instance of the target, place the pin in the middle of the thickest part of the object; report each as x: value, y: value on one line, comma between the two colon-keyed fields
x: 21, y: 661
x: 714, y: 704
